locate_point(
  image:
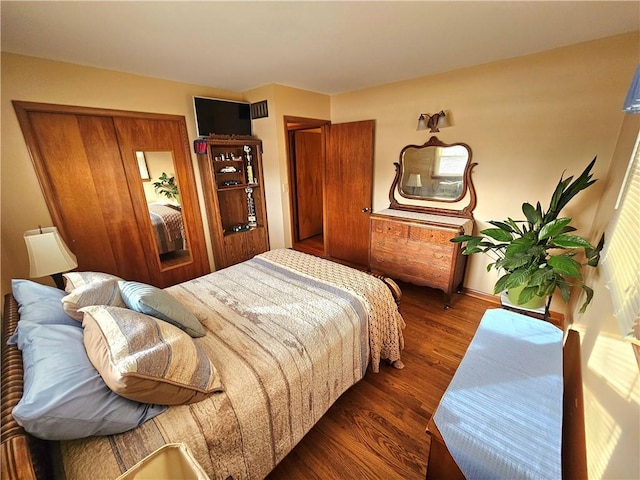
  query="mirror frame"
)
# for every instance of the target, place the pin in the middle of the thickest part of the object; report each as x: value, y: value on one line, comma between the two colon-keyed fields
x: 467, y: 186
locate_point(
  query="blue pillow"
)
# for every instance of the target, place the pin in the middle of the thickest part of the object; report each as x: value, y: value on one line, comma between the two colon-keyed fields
x: 157, y: 303
x: 64, y: 396
x: 40, y: 303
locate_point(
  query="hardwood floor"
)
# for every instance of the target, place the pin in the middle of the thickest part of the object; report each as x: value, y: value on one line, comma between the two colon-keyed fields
x: 376, y: 429
x: 313, y: 245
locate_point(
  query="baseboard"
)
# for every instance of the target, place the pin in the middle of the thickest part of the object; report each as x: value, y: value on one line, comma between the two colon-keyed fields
x: 556, y: 318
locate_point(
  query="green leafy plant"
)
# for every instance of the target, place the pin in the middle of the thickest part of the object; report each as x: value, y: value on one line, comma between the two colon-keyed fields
x: 166, y: 186
x: 538, y: 253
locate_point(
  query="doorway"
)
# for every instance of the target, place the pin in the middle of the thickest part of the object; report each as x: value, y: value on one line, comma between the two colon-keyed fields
x: 305, y: 142
x: 330, y: 170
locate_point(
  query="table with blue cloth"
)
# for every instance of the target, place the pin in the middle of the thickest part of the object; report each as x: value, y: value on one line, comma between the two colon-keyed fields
x: 501, y: 416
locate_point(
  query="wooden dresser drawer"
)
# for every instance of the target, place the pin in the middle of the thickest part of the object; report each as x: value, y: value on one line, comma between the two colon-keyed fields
x: 413, y: 271
x: 411, y: 261
x: 432, y: 235
x: 416, y: 252
x: 389, y: 227
x: 400, y: 249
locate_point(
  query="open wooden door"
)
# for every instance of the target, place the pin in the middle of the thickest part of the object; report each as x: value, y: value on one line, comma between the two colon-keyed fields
x: 348, y: 190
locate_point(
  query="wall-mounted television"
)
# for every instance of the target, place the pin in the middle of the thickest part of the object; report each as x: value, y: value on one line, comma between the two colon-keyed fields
x: 222, y: 117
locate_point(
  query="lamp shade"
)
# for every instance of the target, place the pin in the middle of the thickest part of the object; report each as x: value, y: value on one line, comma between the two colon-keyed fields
x: 48, y: 254
x: 442, y: 120
x: 632, y: 102
x: 422, y: 123
x: 414, y: 180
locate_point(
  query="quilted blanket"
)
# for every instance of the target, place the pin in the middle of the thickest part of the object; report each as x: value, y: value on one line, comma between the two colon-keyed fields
x: 288, y: 333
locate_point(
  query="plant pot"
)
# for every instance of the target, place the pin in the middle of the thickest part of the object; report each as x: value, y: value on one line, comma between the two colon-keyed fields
x: 535, y: 302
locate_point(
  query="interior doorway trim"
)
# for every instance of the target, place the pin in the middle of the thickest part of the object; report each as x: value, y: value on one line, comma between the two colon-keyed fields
x: 293, y: 124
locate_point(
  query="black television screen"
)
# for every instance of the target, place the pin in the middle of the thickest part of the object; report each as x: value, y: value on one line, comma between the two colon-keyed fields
x: 222, y: 117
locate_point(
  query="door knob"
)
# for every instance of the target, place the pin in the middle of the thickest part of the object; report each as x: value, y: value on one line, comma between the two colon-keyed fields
x: 366, y: 209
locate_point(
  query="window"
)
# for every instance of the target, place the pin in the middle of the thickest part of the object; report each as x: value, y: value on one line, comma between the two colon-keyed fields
x: 621, y: 254
x: 451, y: 161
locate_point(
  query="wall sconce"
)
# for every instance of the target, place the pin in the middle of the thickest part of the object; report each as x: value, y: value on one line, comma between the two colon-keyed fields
x: 48, y: 254
x: 632, y: 102
x: 432, y: 122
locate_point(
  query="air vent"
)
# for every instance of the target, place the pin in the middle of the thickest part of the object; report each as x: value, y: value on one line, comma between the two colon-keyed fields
x: 259, y: 110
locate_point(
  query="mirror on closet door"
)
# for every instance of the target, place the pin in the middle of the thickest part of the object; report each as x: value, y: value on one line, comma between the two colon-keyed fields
x: 161, y: 190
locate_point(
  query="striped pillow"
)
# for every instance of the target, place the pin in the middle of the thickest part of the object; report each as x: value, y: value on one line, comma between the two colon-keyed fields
x: 153, y: 301
x: 102, y: 292
x: 145, y: 359
x: 78, y: 279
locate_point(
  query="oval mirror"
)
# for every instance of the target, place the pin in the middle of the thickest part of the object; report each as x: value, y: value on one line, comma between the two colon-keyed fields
x: 163, y: 203
x: 434, y: 172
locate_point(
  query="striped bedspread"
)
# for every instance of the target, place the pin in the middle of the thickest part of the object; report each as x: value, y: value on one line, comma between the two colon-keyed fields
x: 288, y: 333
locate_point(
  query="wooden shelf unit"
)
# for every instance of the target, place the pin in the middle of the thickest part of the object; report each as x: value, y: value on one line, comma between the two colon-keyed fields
x: 227, y: 203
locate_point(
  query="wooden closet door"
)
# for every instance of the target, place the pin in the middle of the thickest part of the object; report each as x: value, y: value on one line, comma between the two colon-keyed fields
x: 170, y: 135
x: 348, y: 190
x: 83, y: 180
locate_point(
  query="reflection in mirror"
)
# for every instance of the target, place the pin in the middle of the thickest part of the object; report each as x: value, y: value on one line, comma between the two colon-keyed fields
x: 434, y: 172
x: 165, y: 212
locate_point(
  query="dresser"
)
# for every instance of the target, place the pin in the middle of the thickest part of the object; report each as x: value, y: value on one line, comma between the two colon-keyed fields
x: 411, y: 241
x: 416, y: 248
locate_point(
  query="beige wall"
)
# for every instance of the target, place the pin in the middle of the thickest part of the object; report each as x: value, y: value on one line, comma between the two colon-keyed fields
x: 527, y: 120
x: 282, y: 101
x: 39, y: 80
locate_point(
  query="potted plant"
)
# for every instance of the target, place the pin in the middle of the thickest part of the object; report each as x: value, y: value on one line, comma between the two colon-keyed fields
x: 537, y: 255
x: 167, y: 186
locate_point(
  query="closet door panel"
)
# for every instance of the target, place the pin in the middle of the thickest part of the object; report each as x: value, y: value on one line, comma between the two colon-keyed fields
x: 159, y: 135
x: 112, y: 191
x: 87, y: 199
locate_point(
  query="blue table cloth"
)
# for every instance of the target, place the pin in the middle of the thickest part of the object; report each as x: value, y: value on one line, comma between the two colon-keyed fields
x: 501, y: 416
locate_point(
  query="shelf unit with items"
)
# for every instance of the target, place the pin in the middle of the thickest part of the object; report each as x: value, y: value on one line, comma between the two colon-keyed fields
x: 231, y: 173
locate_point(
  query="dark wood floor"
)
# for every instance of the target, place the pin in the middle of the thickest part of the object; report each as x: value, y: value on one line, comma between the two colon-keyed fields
x: 376, y: 429
x: 313, y: 245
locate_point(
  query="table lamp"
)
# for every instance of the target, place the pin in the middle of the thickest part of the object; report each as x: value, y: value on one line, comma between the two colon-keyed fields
x: 48, y: 254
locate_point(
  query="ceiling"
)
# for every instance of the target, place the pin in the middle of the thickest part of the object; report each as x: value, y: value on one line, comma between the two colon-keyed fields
x: 326, y: 47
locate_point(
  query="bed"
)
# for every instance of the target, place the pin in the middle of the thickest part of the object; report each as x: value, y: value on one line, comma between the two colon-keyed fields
x: 167, y: 226
x: 287, y: 332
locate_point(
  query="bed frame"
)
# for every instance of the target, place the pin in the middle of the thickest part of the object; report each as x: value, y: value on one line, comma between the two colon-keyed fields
x: 23, y: 456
